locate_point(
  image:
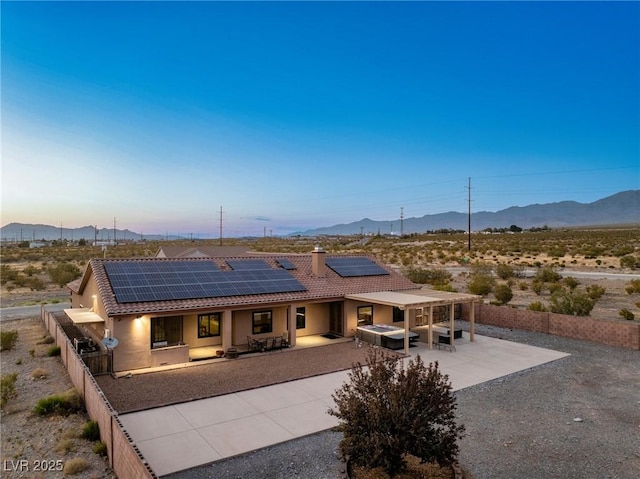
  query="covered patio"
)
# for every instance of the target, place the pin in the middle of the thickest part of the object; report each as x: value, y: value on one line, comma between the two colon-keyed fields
x: 422, y: 300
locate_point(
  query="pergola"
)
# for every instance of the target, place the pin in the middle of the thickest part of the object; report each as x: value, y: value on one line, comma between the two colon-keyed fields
x: 422, y: 299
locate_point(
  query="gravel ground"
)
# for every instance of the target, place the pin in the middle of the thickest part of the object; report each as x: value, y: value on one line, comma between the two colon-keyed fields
x: 578, y: 417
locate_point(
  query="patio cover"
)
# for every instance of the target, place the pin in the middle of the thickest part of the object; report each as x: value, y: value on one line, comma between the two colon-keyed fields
x: 83, y: 316
x: 417, y: 299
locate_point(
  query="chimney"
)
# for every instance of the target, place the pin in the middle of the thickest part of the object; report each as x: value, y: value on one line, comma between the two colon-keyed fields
x: 318, y: 266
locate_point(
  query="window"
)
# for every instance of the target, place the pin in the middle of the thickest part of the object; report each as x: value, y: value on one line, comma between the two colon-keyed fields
x: 365, y: 315
x: 398, y: 314
x: 262, y: 322
x: 301, y: 321
x: 166, y: 331
x: 209, y: 325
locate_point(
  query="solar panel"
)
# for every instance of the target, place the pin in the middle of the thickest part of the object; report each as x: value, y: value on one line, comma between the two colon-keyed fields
x: 355, y: 266
x: 247, y: 264
x: 285, y: 263
x: 135, y: 281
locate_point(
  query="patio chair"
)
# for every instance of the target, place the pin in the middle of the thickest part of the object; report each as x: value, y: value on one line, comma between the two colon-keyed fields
x: 277, y: 342
x: 252, y: 344
x: 285, y: 339
x: 444, y: 340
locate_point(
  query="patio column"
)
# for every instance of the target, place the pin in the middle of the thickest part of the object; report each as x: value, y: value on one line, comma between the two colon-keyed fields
x: 406, y: 331
x: 430, y: 332
x: 227, y: 338
x: 291, y: 324
x: 472, y: 320
x: 452, y: 314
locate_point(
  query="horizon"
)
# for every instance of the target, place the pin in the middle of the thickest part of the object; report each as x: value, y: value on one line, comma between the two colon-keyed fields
x: 293, y: 115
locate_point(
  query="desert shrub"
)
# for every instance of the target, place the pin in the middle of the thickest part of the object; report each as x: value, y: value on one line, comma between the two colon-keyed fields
x: 626, y: 314
x: 633, y: 286
x: 481, y: 285
x: 445, y: 287
x: 595, y: 291
x: 8, y: 339
x: 100, y: 448
x: 7, y: 387
x: 574, y: 303
x: 53, y: 351
x: 91, y: 431
x: 537, y: 306
x: 64, y: 445
x: 60, y: 404
x: 630, y: 261
x: 537, y: 286
x: 503, y: 293
x: 387, y: 411
x: 553, y: 287
x: 505, y: 271
x: 570, y: 282
x: 63, y: 273
x: 75, y: 466
x: 428, y: 275
x: 547, y: 274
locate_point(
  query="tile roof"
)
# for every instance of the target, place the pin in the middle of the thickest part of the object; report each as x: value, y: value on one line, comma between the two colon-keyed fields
x: 331, y: 286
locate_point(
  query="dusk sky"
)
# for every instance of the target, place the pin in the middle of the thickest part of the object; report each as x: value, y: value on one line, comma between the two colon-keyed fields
x: 294, y: 115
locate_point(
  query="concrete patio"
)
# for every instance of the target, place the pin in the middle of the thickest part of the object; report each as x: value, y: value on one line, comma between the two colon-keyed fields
x: 185, y: 435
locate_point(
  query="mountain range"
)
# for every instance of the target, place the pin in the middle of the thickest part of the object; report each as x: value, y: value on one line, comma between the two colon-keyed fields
x: 621, y: 208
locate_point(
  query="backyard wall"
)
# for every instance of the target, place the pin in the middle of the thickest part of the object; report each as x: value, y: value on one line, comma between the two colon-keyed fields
x: 613, y: 332
x: 124, y: 457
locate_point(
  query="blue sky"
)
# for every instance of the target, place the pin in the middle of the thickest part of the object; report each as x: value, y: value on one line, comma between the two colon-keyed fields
x: 293, y: 115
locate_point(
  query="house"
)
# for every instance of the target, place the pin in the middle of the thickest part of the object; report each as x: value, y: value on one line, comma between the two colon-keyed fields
x: 202, y: 251
x: 161, y: 309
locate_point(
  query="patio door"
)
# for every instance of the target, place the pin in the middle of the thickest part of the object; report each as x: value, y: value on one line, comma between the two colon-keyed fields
x: 335, y: 318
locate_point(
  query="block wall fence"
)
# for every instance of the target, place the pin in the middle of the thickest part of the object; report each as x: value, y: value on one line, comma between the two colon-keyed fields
x: 613, y: 332
x: 125, y: 459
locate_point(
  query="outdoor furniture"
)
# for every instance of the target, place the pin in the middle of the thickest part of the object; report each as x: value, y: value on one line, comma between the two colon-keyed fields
x: 385, y: 335
x: 252, y: 344
x: 232, y: 353
x: 445, y: 340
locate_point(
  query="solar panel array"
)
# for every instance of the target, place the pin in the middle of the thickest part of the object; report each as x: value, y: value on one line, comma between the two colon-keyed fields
x: 247, y: 264
x: 137, y: 281
x: 286, y: 264
x: 358, y: 266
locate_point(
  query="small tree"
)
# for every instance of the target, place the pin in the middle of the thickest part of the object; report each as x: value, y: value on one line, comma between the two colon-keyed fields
x: 387, y: 412
x: 503, y: 293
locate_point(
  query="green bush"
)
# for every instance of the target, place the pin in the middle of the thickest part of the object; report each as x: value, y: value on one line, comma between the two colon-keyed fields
x: 480, y: 284
x: 570, y: 282
x: 53, y: 351
x: 574, y: 303
x: 595, y: 291
x: 428, y: 275
x: 63, y: 404
x: 100, y: 448
x: 91, y: 431
x: 63, y: 273
x: 626, y: 314
x: 7, y: 387
x: 8, y: 339
x: 387, y: 412
x: 503, y: 293
x: 537, y: 306
x: 547, y: 274
x: 629, y: 261
x: 505, y: 271
x: 633, y: 286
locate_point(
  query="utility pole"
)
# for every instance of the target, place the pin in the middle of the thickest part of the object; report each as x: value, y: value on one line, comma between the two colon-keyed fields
x: 402, y: 221
x: 114, y: 231
x: 220, y: 225
x: 469, y: 213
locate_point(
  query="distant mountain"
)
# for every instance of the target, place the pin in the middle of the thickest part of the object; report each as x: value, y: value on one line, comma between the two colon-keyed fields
x: 30, y: 232
x: 621, y: 208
